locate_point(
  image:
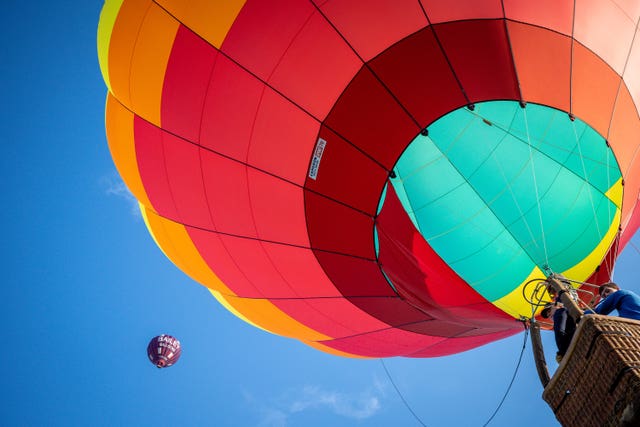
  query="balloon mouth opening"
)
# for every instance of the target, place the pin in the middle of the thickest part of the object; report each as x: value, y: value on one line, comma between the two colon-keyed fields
x: 161, y: 364
x: 519, y: 170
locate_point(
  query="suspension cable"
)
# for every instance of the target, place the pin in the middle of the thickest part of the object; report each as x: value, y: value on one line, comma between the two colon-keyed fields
x: 535, y: 187
x: 611, y: 267
x: 400, y: 394
x: 586, y: 179
x: 513, y: 378
x: 497, y: 409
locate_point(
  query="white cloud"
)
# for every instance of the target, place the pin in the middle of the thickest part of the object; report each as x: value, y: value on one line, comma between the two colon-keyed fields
x: 358, y: 406
x: 114, y: 186
x: 380, y: 386
x: 276, y: 412
x: 269, y: 416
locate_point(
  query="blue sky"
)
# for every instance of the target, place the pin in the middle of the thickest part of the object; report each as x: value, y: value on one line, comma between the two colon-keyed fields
x: 87, y: 288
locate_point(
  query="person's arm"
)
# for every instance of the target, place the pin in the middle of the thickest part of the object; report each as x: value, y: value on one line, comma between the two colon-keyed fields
x: 608, y: 304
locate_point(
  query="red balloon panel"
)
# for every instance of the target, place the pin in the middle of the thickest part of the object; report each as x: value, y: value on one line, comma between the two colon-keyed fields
x: 460, y: 344
x: 351, y: 235
x: 226, y: 183
x: 441, y: 11
x: 228, y: 119
x: 184, y: 173
x: 183, y: 97
x: 300, y: 267
x: 215, y: 253
x: 151, y: 164
x: 543, y: 60
x: 369, y: 117
x: 556, y: 15
x: 385, y: 343
x: 260, y: 127
x: 258, y: 44
x: 294, y: 45
x: 416, y: 71
x: 355, y: 19
x: 336, y: 317
x: 283, y: 137
x: 437, y: 328
x: 593, y: 89
x: 357, y: 278
x: 256, y: 266
x: 346, y: 175
x: 318, y: 55
x: 480, y: 54
x: 277, y: 208
x: 393, y: 311
x: 354, y: 276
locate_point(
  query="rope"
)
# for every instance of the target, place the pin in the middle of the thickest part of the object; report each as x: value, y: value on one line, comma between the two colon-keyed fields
x: 522, y: 216
x: 612, y: 266
x: 513, y: 378
x: 401, y: 396
x: 535, y: 186
x: 586, y: 179
x: 495, y: 412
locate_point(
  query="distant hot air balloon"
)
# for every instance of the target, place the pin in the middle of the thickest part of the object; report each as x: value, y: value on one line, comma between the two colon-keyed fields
x: 164, y: 350
x: 378, y: 178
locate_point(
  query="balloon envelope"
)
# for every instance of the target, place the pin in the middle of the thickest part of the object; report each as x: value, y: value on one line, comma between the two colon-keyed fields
x: 378, y: 178
x: 164, y: 350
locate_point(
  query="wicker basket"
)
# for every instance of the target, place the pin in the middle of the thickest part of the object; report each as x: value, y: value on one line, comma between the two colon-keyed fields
x: 598, y: 382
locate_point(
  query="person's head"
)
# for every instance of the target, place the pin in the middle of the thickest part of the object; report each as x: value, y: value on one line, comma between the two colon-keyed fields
x: 607, y: 289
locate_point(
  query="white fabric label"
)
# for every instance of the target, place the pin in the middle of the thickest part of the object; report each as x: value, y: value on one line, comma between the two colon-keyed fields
x: 317, y: 156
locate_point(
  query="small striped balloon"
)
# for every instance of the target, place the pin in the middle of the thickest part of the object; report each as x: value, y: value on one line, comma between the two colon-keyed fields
x: 164, y: 350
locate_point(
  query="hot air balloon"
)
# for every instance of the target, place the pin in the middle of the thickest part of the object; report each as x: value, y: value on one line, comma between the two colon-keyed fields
x: 164, y: 350
x: 378, y: 178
